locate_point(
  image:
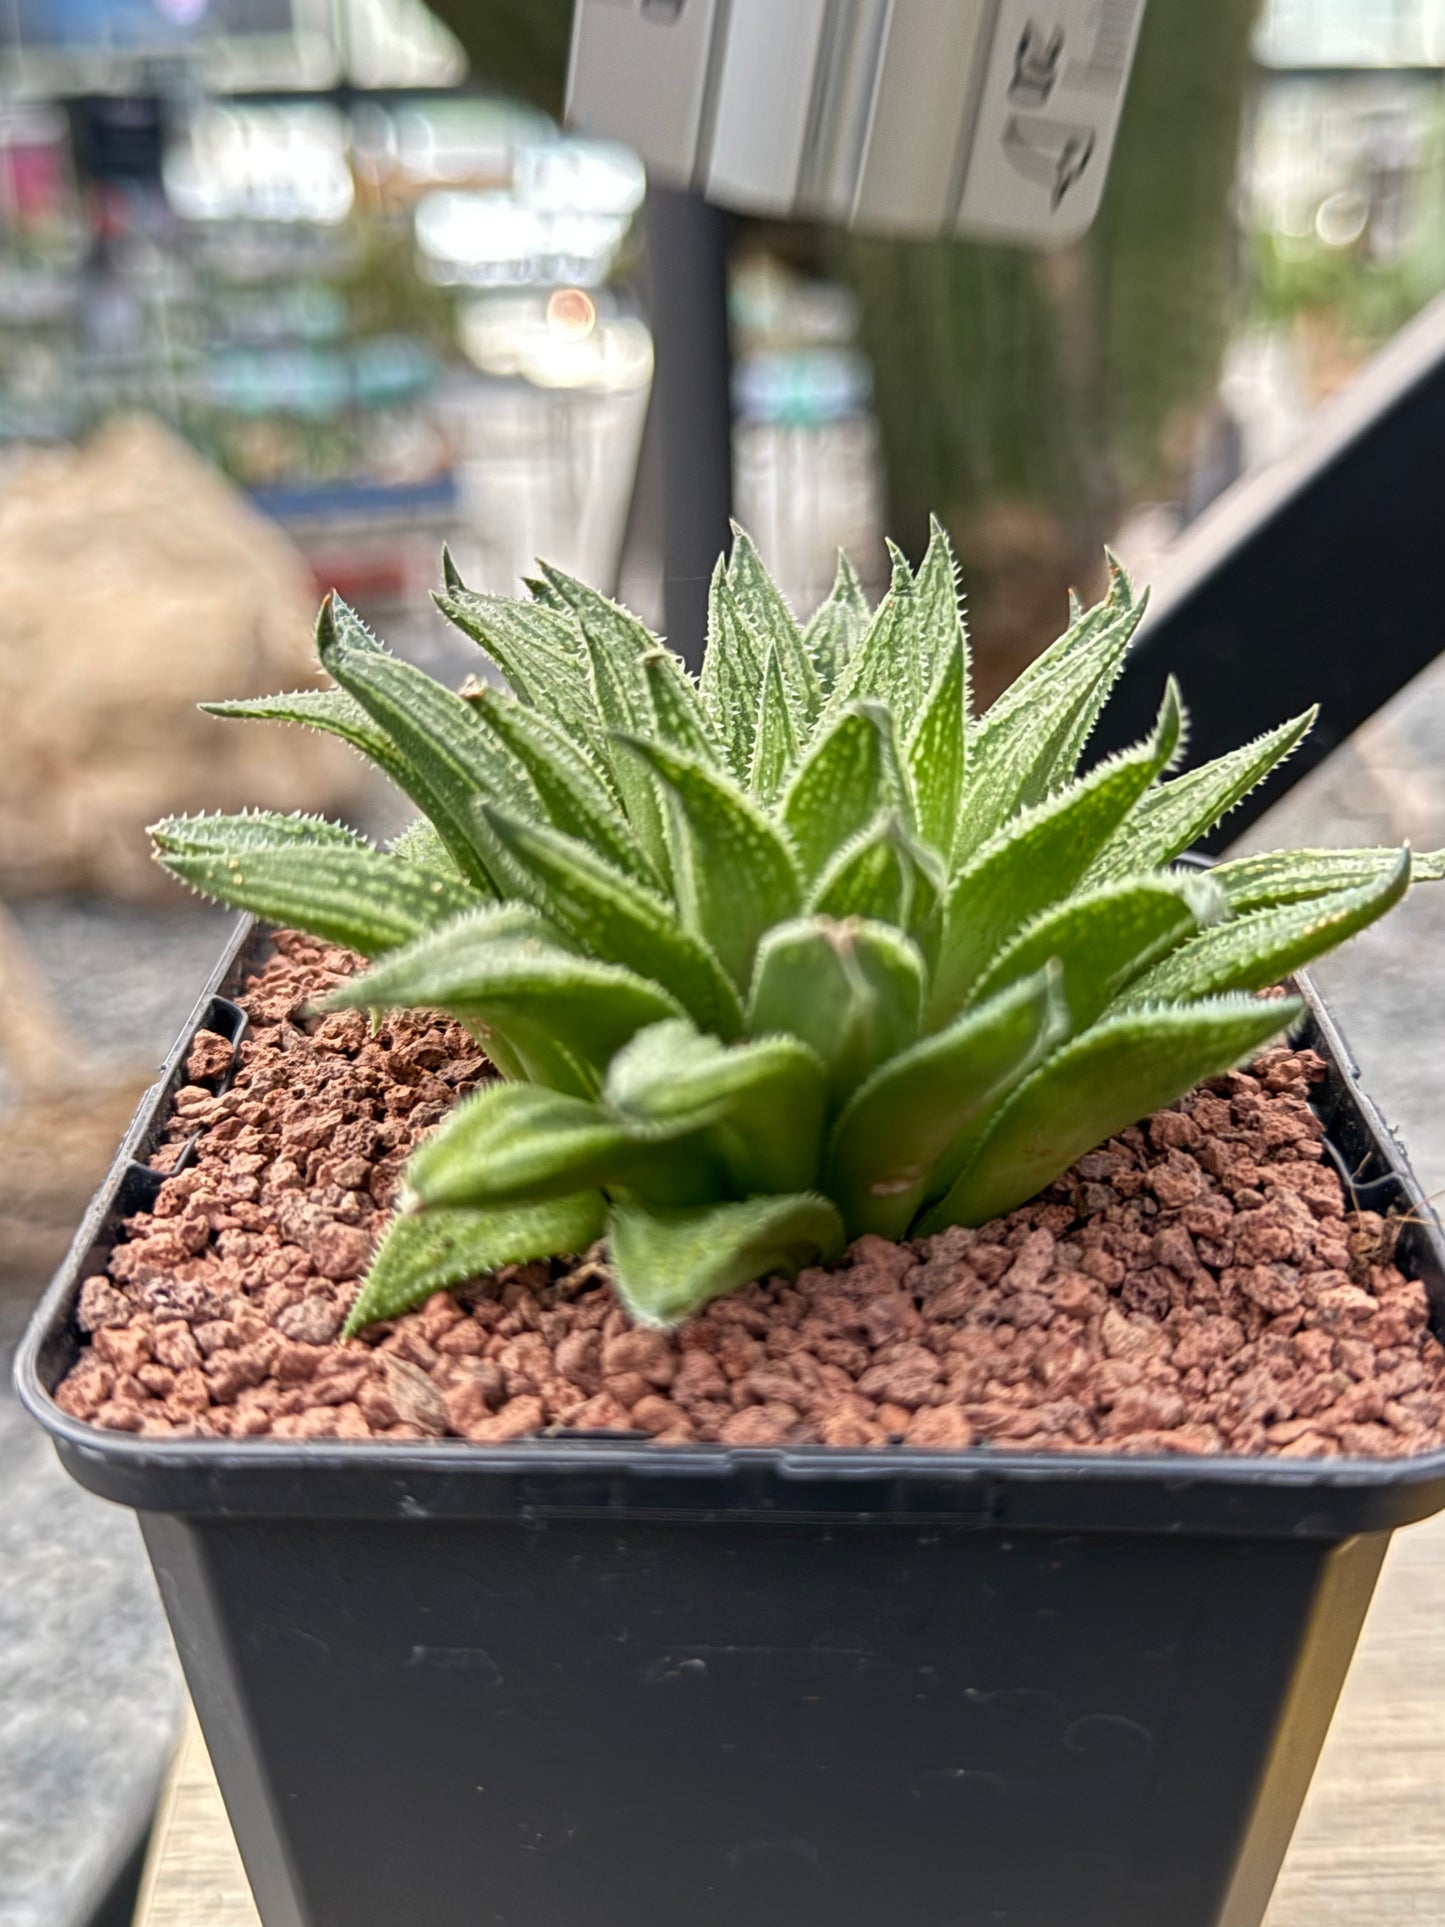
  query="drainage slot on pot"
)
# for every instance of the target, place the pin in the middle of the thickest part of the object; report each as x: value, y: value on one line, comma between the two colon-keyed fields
x: 139, y: 1189
x: 141, y: 1184
x: 227, y: 1020
x: 1364, y: 1193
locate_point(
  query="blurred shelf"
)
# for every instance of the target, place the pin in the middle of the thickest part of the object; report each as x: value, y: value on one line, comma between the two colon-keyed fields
x: 328, y: 505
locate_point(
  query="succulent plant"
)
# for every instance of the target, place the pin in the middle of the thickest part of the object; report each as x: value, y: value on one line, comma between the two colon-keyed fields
x: 795, y: 951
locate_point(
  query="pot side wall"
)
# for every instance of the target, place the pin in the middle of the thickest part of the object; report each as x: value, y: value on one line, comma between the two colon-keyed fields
x: 579, y: 1722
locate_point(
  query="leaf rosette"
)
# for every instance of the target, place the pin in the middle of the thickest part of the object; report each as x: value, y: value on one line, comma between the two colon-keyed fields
x: 795, y: 950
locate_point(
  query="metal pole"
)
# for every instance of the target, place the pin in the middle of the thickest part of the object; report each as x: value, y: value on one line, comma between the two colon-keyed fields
x: 691, y: 398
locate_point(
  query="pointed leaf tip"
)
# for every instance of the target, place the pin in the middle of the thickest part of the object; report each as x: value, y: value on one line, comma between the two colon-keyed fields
x: 1262, y: 947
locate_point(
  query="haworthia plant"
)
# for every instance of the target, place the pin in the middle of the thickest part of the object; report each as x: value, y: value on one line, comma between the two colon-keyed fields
x: 794, y: 951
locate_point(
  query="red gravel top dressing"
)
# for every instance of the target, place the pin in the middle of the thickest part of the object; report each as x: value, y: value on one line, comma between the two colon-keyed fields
x: 1200, y: 1284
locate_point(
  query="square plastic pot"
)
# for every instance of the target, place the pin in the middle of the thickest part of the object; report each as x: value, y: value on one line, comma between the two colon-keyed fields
x: 596, y: 1683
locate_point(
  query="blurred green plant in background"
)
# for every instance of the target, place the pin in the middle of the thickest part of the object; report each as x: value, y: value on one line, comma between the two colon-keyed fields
x: 519, y: 47
x: 1345, y: 212
x: 1032, y: 399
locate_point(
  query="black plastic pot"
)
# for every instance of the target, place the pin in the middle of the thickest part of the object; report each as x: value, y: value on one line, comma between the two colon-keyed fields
x: 574, y: 1683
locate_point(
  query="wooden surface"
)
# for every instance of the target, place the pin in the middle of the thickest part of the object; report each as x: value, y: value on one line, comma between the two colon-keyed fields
x: 1370, y: 1847
x: 193, y: 1876
x: 1369, y: 1851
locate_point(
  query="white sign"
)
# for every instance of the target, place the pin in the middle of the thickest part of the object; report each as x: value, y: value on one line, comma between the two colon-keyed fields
x: 986, y: 117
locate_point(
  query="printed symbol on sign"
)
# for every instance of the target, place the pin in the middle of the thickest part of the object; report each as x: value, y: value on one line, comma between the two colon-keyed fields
x: 1036, y: 65
x: 1051, y: 152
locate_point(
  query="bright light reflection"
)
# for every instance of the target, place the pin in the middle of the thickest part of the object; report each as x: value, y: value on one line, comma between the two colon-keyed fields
x: 510, y: 336
x: 571, y: 313
x: 490, y: 238
x: 579, y: 177
x: 270, y: 163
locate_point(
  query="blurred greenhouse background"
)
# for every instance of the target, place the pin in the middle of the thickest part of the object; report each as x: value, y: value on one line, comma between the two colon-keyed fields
x: 392, y: 302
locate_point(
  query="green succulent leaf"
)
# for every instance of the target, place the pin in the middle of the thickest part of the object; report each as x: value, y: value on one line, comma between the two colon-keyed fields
x: 514, y: 1144
x: 736, y: 875
x: 220, y: 835
x: 618, y: 919
x: 432, y: 1250
x: 1038, y: 859
x: 853, y: 992
x: 884, y: 668
x: 620, y: 692
x: 775, y: 628
x: 760, y: 1103
x: 498, y: 968
x: 1173, y: 817
x: 925, y: 912
x: 1290, y: 876
x: 616, y: 649
x: 451, y: 948
x: 612, y: 631
x: 883, y: 874
x: 1106, y: 938
x: 330, y: 883
x: 332, y: 712
x: 625, y: 662
x: 897, y: 1128
x: 1026, y: 748
x: 837, y: 626
x: 1263, y: 946
x: 348, y: 625
x: 775, y: 741
x: 677, y: 712
x: 537, y: 649
x: 732, y: 674
x: 941, y: 631
x: 1082, y: 639
x: 669, y: 1263
x: 573, y: 792
x: 1125, y: 610
x: 419, y: 843
x: 837, y: 791
x: 616, y: 683
x: 1105, y: 1080
x: 444, y: 748
x: 517, y: 1144
x: 937, y: 754
x: 895, y: 782
x: 541, y: 592
x: 871, y: 876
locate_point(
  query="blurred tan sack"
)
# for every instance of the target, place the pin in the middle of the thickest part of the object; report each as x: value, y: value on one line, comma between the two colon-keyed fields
x: 61, y: 1117
x: 134, y: 583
